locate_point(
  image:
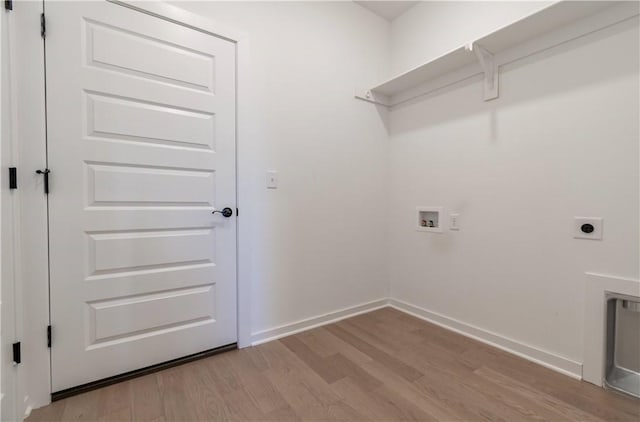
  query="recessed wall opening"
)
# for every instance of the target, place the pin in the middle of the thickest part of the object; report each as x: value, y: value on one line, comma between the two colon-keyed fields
x: 622, y: 371
x: 429, y: 219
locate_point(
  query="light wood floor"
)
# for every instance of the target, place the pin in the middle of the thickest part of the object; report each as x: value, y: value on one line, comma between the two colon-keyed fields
x: 382, y: 366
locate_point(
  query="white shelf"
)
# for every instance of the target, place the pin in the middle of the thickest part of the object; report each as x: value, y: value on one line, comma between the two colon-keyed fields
x: 554, y: 24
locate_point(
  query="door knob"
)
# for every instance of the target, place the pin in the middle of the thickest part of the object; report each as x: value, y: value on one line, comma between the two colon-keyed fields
x: 226, y: 212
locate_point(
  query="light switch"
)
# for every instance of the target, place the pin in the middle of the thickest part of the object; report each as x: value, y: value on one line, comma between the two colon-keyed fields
x: 454, y: 221
x: 272, y: 179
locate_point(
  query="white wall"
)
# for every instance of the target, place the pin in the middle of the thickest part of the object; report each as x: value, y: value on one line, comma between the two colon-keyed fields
x: 561, y: 141
x: 318, y: 241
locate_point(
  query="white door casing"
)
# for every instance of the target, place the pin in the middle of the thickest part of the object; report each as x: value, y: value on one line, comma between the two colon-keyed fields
x: 8, y: 372
x: 141, y: 147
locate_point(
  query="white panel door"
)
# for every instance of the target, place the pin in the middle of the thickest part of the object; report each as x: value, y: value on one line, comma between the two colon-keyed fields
x: 141, y: 147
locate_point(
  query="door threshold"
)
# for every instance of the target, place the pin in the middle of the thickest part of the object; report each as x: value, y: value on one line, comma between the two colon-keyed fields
x: 94, y: 385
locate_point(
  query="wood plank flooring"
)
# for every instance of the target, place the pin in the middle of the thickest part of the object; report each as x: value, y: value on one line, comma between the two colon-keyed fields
x: 381, y: 366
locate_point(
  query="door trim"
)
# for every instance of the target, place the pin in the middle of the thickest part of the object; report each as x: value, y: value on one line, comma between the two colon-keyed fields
x: 36, y: 386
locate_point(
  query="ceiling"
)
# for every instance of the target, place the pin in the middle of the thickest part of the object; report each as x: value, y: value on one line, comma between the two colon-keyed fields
x: 388, y: 9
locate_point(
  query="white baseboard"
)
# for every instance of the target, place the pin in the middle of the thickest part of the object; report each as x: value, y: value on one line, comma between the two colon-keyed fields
x: 549, y: 360
x: 313, y: 322
x: 28, y: 407
x: 27, y: 412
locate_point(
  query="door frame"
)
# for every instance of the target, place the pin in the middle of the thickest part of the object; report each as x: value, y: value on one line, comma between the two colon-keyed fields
x: 37, y: 392
x: 8, y: 372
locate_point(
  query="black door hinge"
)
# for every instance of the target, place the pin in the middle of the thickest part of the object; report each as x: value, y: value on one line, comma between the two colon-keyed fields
x: 8, y: 4
x: 13, y: 178
x: 43, y: 26
x: 48, y: 336
x: 17, y: 358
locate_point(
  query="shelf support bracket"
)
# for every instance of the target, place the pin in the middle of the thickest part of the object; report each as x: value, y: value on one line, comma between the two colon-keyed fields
x: 489, y: 68
x: 373, y: 98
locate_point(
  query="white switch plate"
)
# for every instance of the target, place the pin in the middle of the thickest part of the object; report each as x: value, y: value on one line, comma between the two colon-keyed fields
x: 454, y: 221
x: 272, y: 179
x: 596, y: 222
